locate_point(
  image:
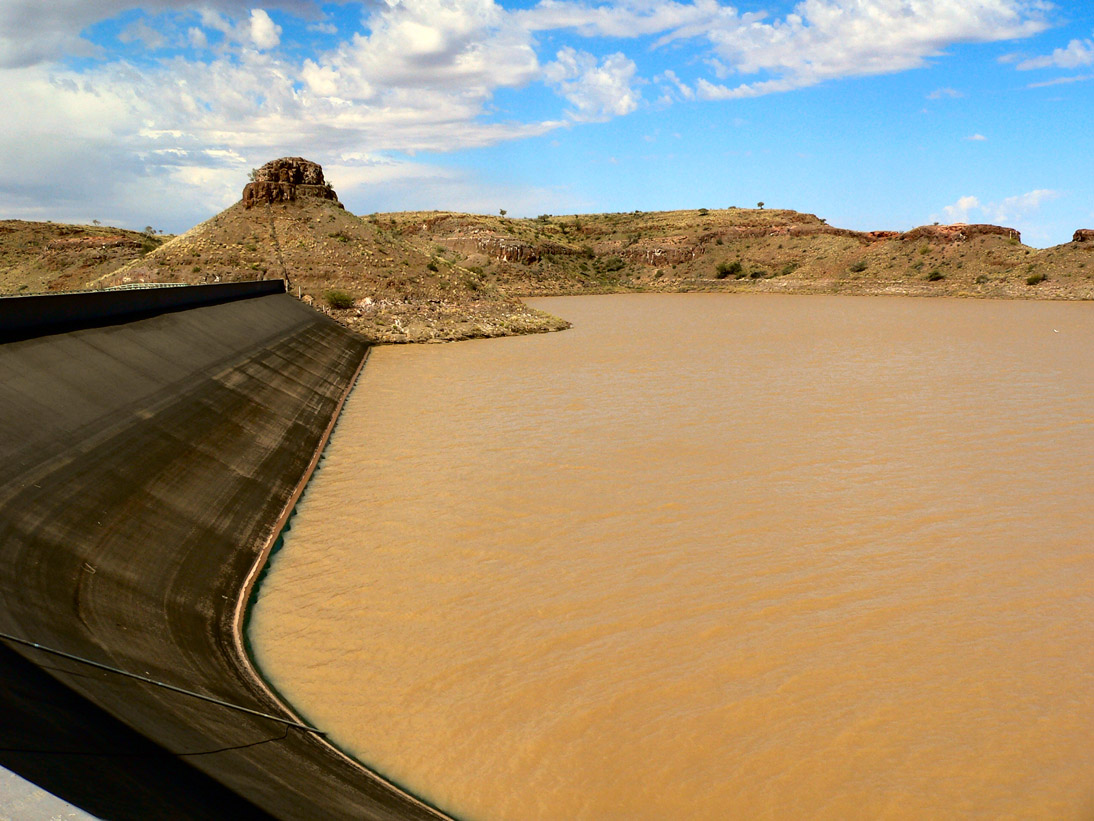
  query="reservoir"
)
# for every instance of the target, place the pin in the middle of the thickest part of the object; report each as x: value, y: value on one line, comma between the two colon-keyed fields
x: 709, y: 556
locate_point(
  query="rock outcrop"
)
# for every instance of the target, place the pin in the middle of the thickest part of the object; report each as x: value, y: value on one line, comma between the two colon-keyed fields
x: 92, y: 243
x: 1084, y: 235
x: 960, y: 232
x: 504, y: 249
x: 286, y: 180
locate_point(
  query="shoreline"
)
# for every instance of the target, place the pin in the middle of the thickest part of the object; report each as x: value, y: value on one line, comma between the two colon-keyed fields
x: 249, y: 591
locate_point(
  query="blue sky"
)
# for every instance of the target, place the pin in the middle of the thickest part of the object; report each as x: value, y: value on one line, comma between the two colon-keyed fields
x: 874, y: 114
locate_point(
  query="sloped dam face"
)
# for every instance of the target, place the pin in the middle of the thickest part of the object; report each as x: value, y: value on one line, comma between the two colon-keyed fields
x: 151, y: 443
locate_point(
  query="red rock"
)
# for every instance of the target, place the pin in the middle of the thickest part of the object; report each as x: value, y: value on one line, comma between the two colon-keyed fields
x: 285, y: 180
x: 960, y: 232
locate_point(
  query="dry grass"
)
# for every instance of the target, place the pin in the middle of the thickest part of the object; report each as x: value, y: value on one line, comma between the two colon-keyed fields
x: 416, y: 276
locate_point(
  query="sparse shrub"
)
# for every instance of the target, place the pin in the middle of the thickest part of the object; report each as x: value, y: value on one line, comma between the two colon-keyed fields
x: 924, y: 249
x: 759, y: 273
x: 858, y: 267
x: 718, y: 241
x: 432, y: 265
x: 614, y: 264
x: 475, y: 269
x: 250, y: 246
x: 196, y: 269
x: 338, y: 299
x: 703, y: 212
x: 728, y: 269
x: 788, y: 269
x: 1035, y: 279
x: 981, y: 279
x: 935, y: 276
x: 1012, y: 240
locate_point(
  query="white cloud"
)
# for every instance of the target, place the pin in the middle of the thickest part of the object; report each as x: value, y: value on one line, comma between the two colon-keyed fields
x: 630, y: 18
x: 597, y: 92
x: 678, y: 87
x: 1016, y: 208
x: 419, y: 75
x: 1059, y: 81
x: 265, y: 33
x: 960, y: 210
x: 418, y: 52
x: 945, y: 94
x: 1006, y: 212
x: 197, y: 38
x: 34, y: 32
x: 827, y: 39
x: 976, y: 138
x: 141, y: 32
x: 1079, y: 53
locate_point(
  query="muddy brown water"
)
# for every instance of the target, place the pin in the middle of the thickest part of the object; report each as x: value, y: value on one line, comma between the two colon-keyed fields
x: 710, y: 556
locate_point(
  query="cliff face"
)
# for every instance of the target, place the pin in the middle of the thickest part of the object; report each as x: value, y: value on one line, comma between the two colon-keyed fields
x: 285, y: 180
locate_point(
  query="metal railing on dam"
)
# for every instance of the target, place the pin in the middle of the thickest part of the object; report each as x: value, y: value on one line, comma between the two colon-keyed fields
x: 153, y: 442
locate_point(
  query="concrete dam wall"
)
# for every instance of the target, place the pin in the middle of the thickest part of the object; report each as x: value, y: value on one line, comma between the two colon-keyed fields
x: 150, y: 457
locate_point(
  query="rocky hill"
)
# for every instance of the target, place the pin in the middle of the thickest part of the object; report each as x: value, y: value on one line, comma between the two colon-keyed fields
x: 436, y: 275
x: 37, y: 257
x: 750, y: 249
x: 289, y: 224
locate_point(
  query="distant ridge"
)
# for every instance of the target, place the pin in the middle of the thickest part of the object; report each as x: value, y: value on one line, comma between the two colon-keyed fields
x: 438, y: 275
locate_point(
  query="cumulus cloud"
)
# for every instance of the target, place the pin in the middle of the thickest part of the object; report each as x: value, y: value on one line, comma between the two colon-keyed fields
x: 265, y: 33
x: 1019, y: 207
x: 976, y: 138
x: 33, y: 32
x: 596, y: 91
x: 1077, y: 54
x: 1006, y: 212
x: 960, y: 210
x: 417, y: 75
x: 826, y: 39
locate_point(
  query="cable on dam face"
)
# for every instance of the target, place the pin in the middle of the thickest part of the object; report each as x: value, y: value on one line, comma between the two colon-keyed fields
x: 118, y: 671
